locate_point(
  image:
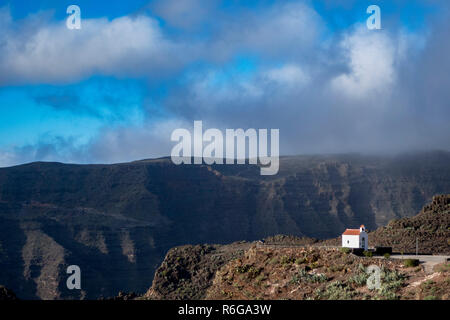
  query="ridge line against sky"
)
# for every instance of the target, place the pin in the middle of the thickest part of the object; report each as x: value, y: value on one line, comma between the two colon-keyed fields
x: 116, y: 89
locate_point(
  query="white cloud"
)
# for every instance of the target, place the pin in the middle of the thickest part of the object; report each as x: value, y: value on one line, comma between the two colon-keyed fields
x: 371, y: 58
x: 39, y: 50
x: 49, y: 52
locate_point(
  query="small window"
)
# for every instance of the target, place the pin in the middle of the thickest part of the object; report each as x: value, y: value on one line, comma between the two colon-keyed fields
x: 348, y: 241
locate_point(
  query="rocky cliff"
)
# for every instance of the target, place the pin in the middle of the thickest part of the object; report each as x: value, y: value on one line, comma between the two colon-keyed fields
x: 118, y: 221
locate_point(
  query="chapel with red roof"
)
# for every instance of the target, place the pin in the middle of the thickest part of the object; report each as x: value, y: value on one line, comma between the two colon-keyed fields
x: 355, y: 238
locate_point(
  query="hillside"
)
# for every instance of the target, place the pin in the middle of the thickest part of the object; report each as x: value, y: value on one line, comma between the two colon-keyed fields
x: 300, y: 273
x: 319, y: 274
x: 117, y: 222
x: 431, y: 228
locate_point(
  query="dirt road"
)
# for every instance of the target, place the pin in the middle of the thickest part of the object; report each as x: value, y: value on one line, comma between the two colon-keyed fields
x: 428, y: 261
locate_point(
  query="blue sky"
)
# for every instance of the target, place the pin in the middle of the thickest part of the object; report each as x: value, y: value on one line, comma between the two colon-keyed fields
x: 114, y: 90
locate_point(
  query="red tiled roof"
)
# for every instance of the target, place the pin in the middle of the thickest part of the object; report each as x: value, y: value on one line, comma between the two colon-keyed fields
x: 351, y: 232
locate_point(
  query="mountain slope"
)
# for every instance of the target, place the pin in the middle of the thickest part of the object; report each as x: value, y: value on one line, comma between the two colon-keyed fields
x: 431, y: 228
x: 258, y: 271
x: 118, y: 221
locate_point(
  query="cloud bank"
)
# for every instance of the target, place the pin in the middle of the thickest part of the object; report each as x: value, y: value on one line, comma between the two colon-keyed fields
x: 344, y: 90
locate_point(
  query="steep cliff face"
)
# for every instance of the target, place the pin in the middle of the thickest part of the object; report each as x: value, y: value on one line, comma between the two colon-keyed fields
x: 117, y: 221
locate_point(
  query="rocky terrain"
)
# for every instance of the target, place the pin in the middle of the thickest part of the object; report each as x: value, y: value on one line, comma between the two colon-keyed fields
x: 431, y: 228
x: 289, y: 267
x: 309, y: 272
x: 117, y: 222
x: 187, y: 271
x: 321, y: 274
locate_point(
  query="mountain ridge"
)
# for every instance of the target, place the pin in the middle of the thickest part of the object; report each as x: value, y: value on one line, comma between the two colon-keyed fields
x: 118, y: 221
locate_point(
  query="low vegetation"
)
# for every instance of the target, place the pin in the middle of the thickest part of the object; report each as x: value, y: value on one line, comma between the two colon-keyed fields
x: 344, y: 250
x: 368, y: 254
x: 306, y: 273
x: 250, y: 271
x: 411, y: 263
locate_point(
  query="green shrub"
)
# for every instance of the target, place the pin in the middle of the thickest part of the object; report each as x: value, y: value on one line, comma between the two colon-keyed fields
x: 386, y: 255
x: 391, y: 275
x: 359, y: 279
x: 314, y: 265
x: 164, y: 273
x: 345, y: 250
x: 368, y: 254
x: 303, y: 276
x: 389, y: 295
x: 428, y: 283
x: 391, y: 281
x: 336, y: 290
x: 286, y: 260
x: 361, y: 268
x: 274, y: 260
x: 243, y: 269
x: 336, y: 268
x: 300, y: 261
x: 411, y: 262
x: 253, y: 272
x: 318, y: 278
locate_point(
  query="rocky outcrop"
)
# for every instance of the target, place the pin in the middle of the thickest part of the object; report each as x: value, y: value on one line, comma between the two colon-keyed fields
x: 430, y: 228
x: 6, y: 294
x: 440, y: 203
x: 187, y: 271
